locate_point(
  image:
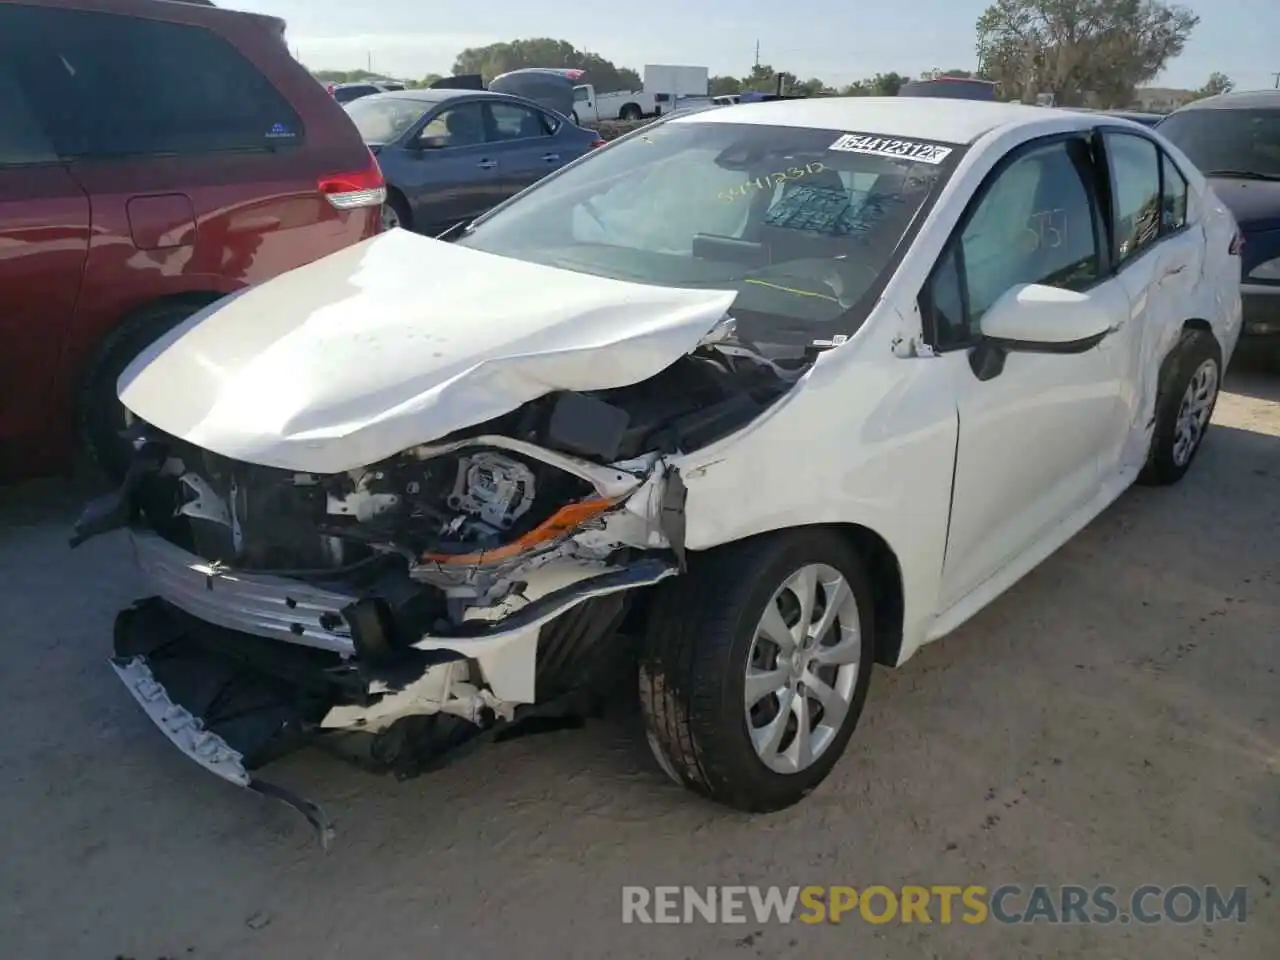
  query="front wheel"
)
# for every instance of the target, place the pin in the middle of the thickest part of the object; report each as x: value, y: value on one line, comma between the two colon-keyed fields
x: 1187, y: 396
x: 756, y: 667
x: 395, y: 213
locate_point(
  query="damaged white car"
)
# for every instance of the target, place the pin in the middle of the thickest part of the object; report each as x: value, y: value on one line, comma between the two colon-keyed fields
x: 754, y: 397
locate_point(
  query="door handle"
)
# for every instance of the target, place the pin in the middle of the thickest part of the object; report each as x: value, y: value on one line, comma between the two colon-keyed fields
x: 487, y: 164
x: 551, y: 157
x: 1174, y: 271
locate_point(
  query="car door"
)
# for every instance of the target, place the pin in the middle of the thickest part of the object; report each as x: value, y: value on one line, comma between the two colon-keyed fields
x: 524, y: 143
x: 584, y: 109
x: 44, y: 242
x: 1027, y: 456
x: 451, y: 171
x: 1157, y: 259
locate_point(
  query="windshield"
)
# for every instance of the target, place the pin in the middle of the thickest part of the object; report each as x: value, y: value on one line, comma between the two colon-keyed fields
x: 1228, y: 141
x: 384, y: 119
x: 800, y: 222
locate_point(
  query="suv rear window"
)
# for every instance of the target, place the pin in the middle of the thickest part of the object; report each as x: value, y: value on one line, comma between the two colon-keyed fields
x: 106, y: 85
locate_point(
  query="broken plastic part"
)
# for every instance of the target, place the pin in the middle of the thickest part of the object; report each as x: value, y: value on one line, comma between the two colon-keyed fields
x: 313, y: 812
x: 560, y: 524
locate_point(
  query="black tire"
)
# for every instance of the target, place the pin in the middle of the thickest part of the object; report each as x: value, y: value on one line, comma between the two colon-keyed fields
x: 1195, y: 348
x: 576, y: 121
x: 397, y: 204
x: 100, y: 418
x: 630, y: 111
x: 693, y: 667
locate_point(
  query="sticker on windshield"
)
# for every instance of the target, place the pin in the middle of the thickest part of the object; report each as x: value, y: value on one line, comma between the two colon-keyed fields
x: 876, y: 146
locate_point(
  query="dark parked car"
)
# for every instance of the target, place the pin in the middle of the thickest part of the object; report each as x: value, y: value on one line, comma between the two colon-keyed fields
x: 1136, y: 116
x: 347, y: 92
x: 154, y: 157
x: 450, y: 155
x: 1235, y: 141
x: 1146, y: 119
x: 950, y: 88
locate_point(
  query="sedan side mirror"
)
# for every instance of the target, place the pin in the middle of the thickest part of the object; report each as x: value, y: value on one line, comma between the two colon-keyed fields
x: 434, y: 141
x: 1033, y: 318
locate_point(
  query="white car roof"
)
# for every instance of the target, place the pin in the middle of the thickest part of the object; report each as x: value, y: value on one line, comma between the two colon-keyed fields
x: 925, y: 118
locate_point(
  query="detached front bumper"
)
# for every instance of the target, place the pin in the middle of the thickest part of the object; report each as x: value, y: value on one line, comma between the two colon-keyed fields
x: 225, y: 700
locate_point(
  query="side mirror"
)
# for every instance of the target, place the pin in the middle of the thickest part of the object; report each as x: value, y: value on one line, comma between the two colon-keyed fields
x: 1033, y: 318
x: 432, y: 142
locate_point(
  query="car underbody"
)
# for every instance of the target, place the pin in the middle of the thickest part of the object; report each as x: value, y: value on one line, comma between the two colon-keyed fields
x: 468, y: 589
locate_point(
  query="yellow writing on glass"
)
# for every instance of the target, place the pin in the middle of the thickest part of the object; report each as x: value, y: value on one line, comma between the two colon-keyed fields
x: 767, y: 181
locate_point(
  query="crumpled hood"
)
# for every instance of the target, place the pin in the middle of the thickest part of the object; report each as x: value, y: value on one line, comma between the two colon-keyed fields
x: 397, y: 341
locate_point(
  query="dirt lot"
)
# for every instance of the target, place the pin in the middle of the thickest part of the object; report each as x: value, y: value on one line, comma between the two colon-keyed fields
x: 1113, y: 719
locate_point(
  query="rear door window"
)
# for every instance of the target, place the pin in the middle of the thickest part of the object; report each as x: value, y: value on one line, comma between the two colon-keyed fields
x: 22, y: 138
x: 1174, y: 197
x: 106, y: 85
x: 1135, y: 186
x: 514, y: 122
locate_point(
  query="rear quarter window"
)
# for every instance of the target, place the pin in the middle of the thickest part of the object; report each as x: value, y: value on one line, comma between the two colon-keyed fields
x: 105, y: 85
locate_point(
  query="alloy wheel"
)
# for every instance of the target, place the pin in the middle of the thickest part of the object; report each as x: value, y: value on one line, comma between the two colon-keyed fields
x: 802, y: 668
x: 1194, y: 411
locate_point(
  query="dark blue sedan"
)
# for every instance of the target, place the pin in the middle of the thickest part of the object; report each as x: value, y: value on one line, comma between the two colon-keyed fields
x: 450, y: 155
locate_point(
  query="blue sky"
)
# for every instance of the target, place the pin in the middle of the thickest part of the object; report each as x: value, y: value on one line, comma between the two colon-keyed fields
x: 836, y: 40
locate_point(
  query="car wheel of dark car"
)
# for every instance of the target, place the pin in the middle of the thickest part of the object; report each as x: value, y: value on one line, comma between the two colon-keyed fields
x: 756, y: 666
x: 396, y: 213
x: 101, y: 419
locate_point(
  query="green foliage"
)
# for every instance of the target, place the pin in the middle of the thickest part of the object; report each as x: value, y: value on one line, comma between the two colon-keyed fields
x: 1218, y: 83
x: 1095, y: 51
x: 498, y: 58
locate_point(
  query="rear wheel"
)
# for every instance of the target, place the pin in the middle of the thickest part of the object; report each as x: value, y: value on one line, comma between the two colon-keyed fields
x: 756, y: 667
x: 630, y: 111
x: 101, y: 418
x: 1184, y: 407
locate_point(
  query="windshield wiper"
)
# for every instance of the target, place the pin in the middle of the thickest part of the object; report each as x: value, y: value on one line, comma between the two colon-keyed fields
x: 1243, y: 174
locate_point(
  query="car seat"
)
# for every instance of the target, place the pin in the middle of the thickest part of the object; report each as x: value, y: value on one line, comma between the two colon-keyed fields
x: 465, y: 127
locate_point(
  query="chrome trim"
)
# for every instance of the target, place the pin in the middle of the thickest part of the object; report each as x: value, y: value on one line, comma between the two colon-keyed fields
x: 265, y: 606
x: 181, y: 726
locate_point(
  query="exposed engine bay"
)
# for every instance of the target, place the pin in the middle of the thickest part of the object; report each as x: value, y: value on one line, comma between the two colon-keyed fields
x: 465, y: 586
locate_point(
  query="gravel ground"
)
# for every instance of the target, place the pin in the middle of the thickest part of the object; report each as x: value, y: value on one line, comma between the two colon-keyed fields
x: 1112, y: 719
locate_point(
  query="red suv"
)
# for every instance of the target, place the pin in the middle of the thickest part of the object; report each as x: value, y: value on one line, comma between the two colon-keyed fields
x: 155, y: 155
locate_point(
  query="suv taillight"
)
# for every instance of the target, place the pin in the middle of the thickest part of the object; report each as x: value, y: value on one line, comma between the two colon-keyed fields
x: 598, y: 143
x: 1237, y: 245
x: 351, y: 191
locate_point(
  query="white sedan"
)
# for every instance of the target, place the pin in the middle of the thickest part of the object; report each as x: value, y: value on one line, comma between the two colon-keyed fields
x: 779, y: 391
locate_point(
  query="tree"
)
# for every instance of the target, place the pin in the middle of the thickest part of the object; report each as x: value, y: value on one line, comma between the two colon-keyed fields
x: 497, y: 58
x: 763, y: 78
x: 1217, y: 83
x: 722, y: 86
x: 886, y: 84
x: 1079, y: 50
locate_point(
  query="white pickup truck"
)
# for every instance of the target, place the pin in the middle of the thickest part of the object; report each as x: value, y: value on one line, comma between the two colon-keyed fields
x: 663, y: 86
